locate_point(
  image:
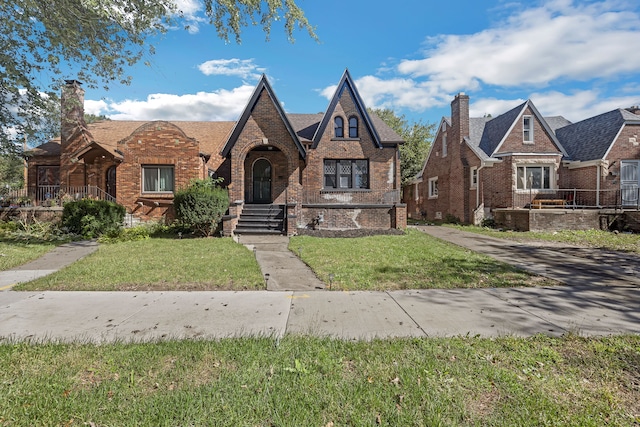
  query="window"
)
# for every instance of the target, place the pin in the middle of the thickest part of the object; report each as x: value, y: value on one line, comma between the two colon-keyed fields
x: 527, y: 129
x: 433, y: 187
x: 338, y: 127
x: 157, y: 179
x: 534, y: 177
x: 48, y: 175
x: 347, y: 174
x: 353, y: 127
x: 444, y: 145
x: 473, y: 177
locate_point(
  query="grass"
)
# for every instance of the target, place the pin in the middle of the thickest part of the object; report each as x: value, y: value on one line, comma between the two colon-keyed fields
x: 158, y: 264
x: 14, y: 253
x: 303, y: 381
x: 411, y: 261
x: 625, y: 242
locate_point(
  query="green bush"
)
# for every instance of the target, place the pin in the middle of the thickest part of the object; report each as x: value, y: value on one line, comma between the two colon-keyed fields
x: 93, y: 218
x: 200, y: 206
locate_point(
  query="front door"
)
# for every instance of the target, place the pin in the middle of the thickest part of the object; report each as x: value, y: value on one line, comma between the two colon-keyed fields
x: 111, y: 182
x: 629, y: 180
x: 262, y: 181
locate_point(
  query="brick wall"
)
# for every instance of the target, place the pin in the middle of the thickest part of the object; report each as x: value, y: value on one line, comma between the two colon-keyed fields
x: 547, y: 220
x: 155, y: 144
x: 346, y: 217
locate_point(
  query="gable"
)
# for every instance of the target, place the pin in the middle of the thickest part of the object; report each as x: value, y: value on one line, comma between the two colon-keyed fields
x: 505, y: 133
x: 346, y: 99
x: 263, y: 91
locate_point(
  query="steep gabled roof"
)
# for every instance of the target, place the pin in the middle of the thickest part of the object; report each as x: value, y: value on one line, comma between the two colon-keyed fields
x: 496, y: 130
x: 591, y: 139
x: 263, y: 85
x: 346, y: 83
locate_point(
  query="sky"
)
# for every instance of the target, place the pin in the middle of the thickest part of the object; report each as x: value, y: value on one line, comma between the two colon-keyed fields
x: 572, y: 58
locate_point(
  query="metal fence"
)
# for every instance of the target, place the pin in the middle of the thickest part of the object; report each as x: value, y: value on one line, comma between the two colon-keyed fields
x: 50, y: 195
x: 359, y: 197
x: 575, y: 198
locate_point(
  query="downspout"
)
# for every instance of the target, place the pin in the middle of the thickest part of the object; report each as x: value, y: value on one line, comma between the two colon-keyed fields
x: 598, y: 186
x: 478, y: 185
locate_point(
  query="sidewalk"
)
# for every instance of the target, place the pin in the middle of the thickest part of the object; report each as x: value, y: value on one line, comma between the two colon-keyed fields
x: 591, y: 306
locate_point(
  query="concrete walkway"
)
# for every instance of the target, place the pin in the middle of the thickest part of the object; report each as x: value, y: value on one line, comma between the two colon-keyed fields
x: 286, y: 272
x: 594, y: 304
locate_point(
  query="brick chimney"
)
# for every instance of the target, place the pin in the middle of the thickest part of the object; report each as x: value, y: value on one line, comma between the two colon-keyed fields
x: 634, y: 109
x: 460, y: 116
x: 72, y: 110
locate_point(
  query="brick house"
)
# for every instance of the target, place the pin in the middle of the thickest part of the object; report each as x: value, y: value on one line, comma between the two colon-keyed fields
x: 336, y: 170
x: 477, y: 167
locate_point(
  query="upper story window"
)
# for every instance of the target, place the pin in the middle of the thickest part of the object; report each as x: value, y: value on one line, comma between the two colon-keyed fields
x: 346, y: 174
x: 157, y: 179
x: 527, y: 129
x: 444, y: 145
x: 534, y: 177
x: 338, y: 127
x: 353, y: 127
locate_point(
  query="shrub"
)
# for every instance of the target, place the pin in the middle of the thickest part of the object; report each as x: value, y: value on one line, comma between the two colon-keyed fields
x: 93, y: 218
x: 200, y: 206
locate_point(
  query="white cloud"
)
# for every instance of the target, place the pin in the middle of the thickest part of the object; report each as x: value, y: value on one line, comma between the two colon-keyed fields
x: 202, y: 106
x: 558, y: 40
x: 541, y: 47
x: 574, y: 107
x: 243, y: 68
x: 191, y: 12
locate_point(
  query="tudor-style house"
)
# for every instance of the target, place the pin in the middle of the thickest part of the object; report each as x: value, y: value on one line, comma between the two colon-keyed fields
x: 481, y: 167
x: 284, y: 172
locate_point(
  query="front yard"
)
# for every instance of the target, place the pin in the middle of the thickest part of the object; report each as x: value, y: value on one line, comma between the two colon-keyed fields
x: 410, y: 261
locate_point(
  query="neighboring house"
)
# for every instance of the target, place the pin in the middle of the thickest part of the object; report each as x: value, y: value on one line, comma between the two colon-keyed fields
x: 337, y: 170
x: 520, y: 159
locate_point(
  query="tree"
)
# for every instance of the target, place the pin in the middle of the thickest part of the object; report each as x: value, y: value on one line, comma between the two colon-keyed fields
x: 97, y: 39
x: 417, y: 137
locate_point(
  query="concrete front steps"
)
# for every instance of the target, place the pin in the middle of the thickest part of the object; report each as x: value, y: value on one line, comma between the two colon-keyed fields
x: 261, y: 219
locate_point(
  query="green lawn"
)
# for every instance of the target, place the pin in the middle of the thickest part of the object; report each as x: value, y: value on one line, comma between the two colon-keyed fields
x: 14, y: 254
x: 625, y: 242
x: 411, y: 261
x: 159, y: 264
x: 298, y: 381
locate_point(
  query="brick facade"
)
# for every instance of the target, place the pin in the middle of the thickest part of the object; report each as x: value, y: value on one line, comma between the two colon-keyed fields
x: 498, y: 149
x: 239, y: 154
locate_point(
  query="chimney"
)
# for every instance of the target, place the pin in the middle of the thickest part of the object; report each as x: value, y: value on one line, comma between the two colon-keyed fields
x: 72, y: 110
x: 460, y: 116
x: 634, y: 109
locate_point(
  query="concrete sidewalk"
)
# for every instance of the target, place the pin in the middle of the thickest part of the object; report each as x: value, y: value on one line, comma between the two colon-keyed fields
x: 103, y: 317
x: 602, y: 299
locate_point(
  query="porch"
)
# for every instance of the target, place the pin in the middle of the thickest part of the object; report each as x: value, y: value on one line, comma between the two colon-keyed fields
x: 50, y: 195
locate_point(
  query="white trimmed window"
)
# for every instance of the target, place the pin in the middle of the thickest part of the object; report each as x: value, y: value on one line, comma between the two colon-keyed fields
x: 433, y: 187
x: 534, y: 177
x: 527, y: 129
x: 157, y: 179
x: 473, y: 177
x: 444, y: 145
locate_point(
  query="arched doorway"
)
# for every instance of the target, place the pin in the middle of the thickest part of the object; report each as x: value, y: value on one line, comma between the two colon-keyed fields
x: 110, y: 182
x: 262, y: 181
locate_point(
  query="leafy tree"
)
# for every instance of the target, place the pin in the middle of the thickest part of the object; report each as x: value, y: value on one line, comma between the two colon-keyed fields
x: 200, y: 206
x: 11, y: 171
x: 92, y: 118
x: 42, y: 40
x: 417, y: 137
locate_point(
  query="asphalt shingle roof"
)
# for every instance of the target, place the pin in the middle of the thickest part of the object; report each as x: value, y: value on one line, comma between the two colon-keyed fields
x: 591, y: 138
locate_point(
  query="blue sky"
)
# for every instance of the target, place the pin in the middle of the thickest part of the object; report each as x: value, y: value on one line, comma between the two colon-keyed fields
x: 572, y: 58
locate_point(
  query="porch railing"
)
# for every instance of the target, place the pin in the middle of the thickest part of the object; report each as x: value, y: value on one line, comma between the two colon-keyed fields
x: 48, y: 195
x: 575, y: 198
x: 353, y: 197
